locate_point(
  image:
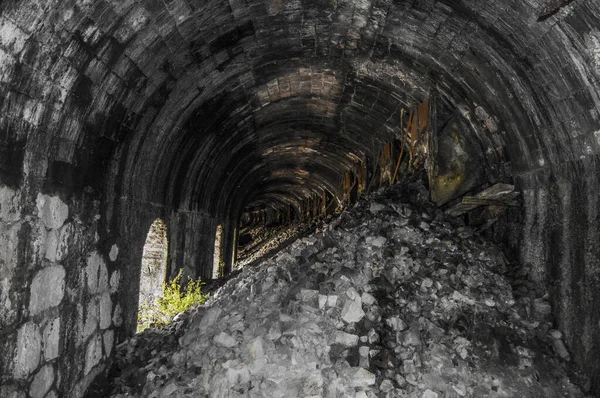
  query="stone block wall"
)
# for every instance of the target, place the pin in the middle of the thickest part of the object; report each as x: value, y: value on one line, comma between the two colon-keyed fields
x: 60, y: 315
x: 561, y: 250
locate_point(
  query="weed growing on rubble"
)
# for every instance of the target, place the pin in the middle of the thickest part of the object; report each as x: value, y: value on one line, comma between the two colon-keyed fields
x: 175, y: 300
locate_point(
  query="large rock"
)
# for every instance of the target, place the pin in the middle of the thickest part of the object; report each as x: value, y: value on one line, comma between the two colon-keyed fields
x: 256, y: 348
x: 93, y: 353
x: 346, y: 339
x: 29, y: 347
x: 115, y: 280
x: 429, y: 394
x: 52, y: 211
x: 47, y: 289
x: 114, y: 253
x: 225, y: 340
x: 109, y: 339
x: 352, y: 310
x: 362, y: 378
x: 91, y: 318
x: 42, y: 382
x: 105, y: 305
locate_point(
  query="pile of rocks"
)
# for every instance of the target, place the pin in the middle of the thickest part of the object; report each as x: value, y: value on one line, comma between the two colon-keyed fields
x: 392, y: 300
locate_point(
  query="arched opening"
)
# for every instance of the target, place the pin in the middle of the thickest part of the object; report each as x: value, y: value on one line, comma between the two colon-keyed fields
x: 235, y: 247
x: 218, y: 263
x: 154, y: 267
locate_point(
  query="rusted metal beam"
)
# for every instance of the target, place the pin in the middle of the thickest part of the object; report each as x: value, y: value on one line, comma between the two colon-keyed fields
x: 395, y: 176
x: 496, y: 195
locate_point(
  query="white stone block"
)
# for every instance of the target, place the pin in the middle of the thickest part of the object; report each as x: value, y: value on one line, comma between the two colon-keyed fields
x: 332, y: 300
x: 368, y: 298
x: 52, y: 211
x: 93, y: 353
x: 429, y: 394
x: 105, y: 311
x: 11, y: 36
x: 114, y: 253
x: 346, y: 339
x: 256, y: 348
x: 102, y: 278
x: 396, y: 324
x: 42, y: 382
x: 322, y: 301
x: 352, y: 311
x: 363, y: 351
x: 91, y: 271
x: 376, y: 207
x: 47, y: 289
x: 362, y: 378
x: 352, y: 293
x: 91, y: 318
x: 115, y: 279
x: 225, y: 340
x: 109, y: 340
x: 29, y: 346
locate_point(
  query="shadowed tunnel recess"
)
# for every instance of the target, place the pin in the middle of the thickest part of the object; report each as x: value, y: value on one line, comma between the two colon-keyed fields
x: 198, y: 112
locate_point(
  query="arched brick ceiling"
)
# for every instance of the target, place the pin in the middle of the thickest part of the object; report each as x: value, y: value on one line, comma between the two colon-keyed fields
x: 193, y: 98
x: 165, y: 106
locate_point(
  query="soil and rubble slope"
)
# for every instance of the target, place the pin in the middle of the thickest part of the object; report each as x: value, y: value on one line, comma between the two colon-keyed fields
x: 391, y: 300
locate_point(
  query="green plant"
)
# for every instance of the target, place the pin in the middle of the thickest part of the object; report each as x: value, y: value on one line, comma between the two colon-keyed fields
x: 175, y: 299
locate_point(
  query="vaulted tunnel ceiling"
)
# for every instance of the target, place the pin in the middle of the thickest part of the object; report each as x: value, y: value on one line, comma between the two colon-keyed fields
x: 198, y: 100
x: 117, y: 112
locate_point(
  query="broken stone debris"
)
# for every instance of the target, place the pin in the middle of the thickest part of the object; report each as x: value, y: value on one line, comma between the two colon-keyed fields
x: 385, y: 308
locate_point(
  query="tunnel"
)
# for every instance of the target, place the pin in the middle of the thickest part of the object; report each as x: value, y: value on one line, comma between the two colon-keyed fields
x: 209, y: 113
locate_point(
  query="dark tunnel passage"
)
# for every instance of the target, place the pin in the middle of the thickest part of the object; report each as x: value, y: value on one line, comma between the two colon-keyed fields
x: 208, y: 113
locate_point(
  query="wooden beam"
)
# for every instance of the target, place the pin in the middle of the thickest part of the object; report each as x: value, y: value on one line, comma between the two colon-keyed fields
x: 473, y: 200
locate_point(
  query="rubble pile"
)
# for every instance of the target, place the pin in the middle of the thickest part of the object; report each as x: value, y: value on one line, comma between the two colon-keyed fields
x: 391, y: 300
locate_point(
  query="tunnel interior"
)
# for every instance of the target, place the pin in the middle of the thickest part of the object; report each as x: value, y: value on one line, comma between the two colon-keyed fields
x: 220, y: 114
